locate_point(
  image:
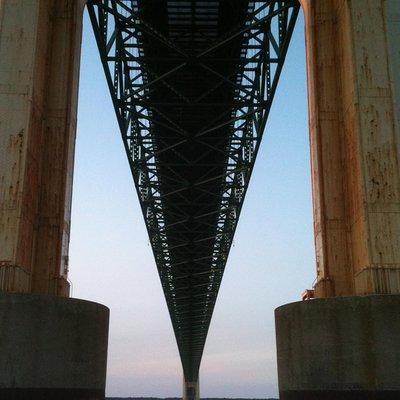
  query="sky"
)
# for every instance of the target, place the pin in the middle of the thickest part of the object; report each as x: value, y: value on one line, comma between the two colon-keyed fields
x: 271, y: 262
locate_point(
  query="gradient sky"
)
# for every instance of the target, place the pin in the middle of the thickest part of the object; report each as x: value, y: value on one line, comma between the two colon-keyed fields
x: 271, y: 262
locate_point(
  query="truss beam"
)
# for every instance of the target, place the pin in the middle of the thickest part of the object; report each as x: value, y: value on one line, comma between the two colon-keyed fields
x: 192, y: 84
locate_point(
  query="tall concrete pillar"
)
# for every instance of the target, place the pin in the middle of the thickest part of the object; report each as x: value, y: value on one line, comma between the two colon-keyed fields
x: 345, y: 344
x: 353, y: 56
x: 51, y: 347
x: 39, y: 70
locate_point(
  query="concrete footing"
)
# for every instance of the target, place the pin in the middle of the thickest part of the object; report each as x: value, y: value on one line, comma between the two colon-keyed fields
x: 339, y: 348
x: 52, y: 348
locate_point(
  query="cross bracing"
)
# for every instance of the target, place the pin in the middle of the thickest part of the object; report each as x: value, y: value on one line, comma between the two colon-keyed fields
x: 192, y: 83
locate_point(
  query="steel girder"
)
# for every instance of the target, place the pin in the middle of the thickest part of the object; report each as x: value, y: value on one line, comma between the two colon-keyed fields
x: 192, y: 83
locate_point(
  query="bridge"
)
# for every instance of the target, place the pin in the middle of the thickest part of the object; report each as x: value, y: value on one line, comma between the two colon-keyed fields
x: 192, y: 83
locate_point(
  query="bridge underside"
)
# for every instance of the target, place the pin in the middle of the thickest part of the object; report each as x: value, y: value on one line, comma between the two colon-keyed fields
x: 192, y: 96
x: 192, y: 84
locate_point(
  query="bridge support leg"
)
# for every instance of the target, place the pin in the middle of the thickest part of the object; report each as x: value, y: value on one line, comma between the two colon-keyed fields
x: 344, y: 347
x: 50, y: 347
x: 39, y: 71
x: 353, y: 57
x: 191, y: 390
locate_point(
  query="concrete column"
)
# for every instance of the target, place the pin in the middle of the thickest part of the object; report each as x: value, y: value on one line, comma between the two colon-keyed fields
x: 52, y: 348
x: 347, y: 347
x: 353, y: 57
x: 39, y: 70
x: 191, y: 390
x: 339, y: 348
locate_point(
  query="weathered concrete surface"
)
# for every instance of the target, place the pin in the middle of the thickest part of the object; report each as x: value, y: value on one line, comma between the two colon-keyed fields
x: 191, y: 390
x: 339, y: 348
x: 52, y: 348
x: 353, y: 57
x: 39, y: 69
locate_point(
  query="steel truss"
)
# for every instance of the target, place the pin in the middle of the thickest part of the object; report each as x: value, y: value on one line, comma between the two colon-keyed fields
x: 192, y: 83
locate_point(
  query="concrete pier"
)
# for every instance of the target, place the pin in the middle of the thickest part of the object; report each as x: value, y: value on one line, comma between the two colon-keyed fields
x: 191, y: 390
x: 52, y: 348
x: 353, y: 59
x: 339, y: 348
x: 40, y: 45
x: 343, y: 346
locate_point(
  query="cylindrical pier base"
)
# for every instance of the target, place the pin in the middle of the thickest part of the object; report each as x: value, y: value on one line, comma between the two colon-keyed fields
x: 339, y: 348
x: 191, y: 390
x: 52, y: 348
